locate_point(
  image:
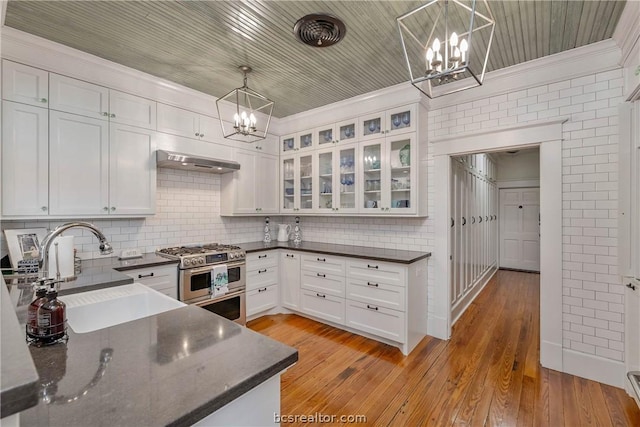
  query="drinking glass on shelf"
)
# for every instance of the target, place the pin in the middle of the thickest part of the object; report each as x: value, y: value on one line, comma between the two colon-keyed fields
x: 396, y: 120
x: 406, y: 118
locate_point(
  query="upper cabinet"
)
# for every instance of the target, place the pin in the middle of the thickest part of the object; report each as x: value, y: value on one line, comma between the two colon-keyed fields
x: 306, y: 140
x: 24, y: 84
x: 388, y: 123
x: 94, y: 101
x: 181, y: 122
x: 25, y: 159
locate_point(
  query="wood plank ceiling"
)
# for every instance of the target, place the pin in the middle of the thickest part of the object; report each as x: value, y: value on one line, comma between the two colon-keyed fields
x: 200, y: 44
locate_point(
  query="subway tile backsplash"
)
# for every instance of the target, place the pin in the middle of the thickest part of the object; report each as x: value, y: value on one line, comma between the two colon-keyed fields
x: 188, y: 211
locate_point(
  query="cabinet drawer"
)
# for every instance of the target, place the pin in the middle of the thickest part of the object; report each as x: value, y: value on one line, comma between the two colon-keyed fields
x: 258, y: 260
x: 378, y: 294
x: 323, y: 283
x: 163, y: 279
x: 376, y: 320
x: 324, y: 263
x: 262, y: 299
x: 323, y: 306
x: 262, y: 277
x: 376, y: 271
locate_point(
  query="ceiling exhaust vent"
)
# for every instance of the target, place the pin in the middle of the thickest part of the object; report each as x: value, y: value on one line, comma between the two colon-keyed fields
x: 319, y: 30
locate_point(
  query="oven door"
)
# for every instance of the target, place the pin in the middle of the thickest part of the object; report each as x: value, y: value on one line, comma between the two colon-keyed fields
x: 230, y: 306
x: 195, y: 283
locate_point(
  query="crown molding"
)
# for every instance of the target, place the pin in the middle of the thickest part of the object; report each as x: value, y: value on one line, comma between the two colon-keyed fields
x: 627, y: 32
x: 54, y: 57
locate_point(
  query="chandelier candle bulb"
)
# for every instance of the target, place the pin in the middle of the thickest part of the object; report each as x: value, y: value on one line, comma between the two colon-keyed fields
x: 463, y: 50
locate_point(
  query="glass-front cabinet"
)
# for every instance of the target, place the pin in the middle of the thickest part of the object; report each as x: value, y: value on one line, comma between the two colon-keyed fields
x: 346, y: 131
x: 299, y: 141
x: 297, y: 183
x: 387, y: 123
x: 342, y: 132
x: 336, y: 183
x: 387, y: 175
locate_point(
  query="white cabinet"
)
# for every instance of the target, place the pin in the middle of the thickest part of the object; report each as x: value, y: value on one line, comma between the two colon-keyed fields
x: 290, y: 279
x: 131, y: 110
x: 296, y: 178
x: 78, y: 97
x: 24, y: 84
x: 323, y: 286
x: 336, y: 179
x: 178, y: 121
x: 91, y: 173
x: 25, y: 159
x: 306, y: 140
x: 132, y: 170
x: 262, y: 281
x: 388, y: 175
x: 162, y: 278
x: 251, y: 189
x: 79, y: 165
x: 388, y: 123
x: 269, y: 145
x: 322, y: 305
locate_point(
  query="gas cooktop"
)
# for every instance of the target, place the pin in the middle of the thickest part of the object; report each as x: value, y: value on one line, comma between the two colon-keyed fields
x: 191, y: 256
x: 209, y: 248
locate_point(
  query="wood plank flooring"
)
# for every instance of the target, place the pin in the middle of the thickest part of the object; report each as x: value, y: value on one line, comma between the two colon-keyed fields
x: 487, y: 374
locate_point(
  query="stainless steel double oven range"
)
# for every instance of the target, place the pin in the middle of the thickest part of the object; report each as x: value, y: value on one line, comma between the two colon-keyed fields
x: 194, y: 278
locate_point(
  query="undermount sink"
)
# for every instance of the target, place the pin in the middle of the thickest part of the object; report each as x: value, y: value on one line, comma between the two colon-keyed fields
x: 94, y: 310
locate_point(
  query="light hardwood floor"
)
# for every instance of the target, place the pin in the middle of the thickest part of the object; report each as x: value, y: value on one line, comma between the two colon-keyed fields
x: 487, y: 374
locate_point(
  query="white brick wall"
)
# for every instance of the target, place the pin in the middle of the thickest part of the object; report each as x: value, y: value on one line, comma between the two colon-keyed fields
x: 593, y: 304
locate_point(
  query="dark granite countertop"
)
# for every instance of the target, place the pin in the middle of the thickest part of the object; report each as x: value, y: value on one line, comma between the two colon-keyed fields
x: 18, y: 376
x: 362, y: 252
x: 175, y: 368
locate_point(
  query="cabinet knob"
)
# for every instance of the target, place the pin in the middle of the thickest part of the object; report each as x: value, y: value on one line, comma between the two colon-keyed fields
x: 44, y: 208
x: 105, y: 114
x: 113, y: 115
x: 113, y: 208
x: 105, y: 209
x: 43, y: 100
x: 202, y: 135
x: 197, y: 134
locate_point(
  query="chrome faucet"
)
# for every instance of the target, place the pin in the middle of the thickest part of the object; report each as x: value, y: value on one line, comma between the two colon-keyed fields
x: 43, y: 262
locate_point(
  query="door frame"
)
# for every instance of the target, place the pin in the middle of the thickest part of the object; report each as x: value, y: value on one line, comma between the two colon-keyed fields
x: 548, y: 136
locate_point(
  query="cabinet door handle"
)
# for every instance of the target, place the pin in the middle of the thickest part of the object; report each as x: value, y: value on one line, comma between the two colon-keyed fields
x: 262, y: 290
x: 105, y: 114
x: 321, y: 295
x: 140, y: 276
x: 480, y: 219
x: 197, y: 134
x: 372, y: 284
x: 473, y: 220
x: 289, y: 255
x: 452, y: 222
x: 201, y: 135
x: 372, y: 307
x: 464, y: 221
x: 322, y: 259
x: 262, y: 256
x: 44, y: 208
x: 105, y: 209
x: 321, y: 275
x: 43, y: 100
x: 113, y: 115
x: 372, y: 266
x: 262, y: 271
x: 113, y: 208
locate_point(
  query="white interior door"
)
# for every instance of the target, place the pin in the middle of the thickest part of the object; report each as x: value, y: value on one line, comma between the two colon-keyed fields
x: 520, y: 228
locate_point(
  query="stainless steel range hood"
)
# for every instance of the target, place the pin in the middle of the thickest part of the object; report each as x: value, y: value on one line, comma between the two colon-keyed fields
x: 170, y: 159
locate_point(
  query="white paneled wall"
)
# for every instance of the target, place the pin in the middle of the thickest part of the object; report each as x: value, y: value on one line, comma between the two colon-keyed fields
x: 593, y: 292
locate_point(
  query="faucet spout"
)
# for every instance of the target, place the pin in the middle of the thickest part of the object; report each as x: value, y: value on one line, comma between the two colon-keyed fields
x: 45, y: 245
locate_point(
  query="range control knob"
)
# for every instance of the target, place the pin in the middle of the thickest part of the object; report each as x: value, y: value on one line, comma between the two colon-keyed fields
x: 239, y: 255
x: 232, y: 255
x: 187, y: 262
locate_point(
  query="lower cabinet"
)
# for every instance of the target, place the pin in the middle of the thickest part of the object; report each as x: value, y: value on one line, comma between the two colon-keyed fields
x: 323, y: 306
x: 376, y: 320
x: 162, y: 278
x: 261, y: 299
x: 290, y: 280
x: 262, y: 282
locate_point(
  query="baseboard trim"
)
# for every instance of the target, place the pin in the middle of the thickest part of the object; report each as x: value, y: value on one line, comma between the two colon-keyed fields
x: 461, y: 306
x: 551, y: 355
x: 437, y: 327
x: 594, y: 368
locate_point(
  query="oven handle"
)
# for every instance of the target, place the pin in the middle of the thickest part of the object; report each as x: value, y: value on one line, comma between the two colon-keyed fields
x: 193, y: 271
x: 220, y: 298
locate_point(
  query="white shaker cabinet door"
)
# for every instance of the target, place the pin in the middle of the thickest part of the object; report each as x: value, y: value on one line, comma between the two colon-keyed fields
x: 131, y: 110
x: 290, y: 280
x: 267, y: 184
x: 78, y: 165
x: 132, y: 170
x: 78, y: 97
x: 28, y: 85
x: 246, y: 180
x: 25, y: 159
x: 177, y: 121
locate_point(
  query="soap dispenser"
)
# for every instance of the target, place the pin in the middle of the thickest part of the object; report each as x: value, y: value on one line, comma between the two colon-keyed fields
x: 32, y: 311
x: 52, y: 318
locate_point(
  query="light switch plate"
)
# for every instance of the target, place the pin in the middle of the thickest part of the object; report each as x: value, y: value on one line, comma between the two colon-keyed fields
x: 130, y: 253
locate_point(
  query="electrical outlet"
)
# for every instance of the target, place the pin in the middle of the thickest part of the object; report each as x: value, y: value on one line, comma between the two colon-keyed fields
x: 130, y: 253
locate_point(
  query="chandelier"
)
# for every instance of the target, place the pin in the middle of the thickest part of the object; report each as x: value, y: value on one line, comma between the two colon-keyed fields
x: 248, y: 111
x: 445, y: 42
